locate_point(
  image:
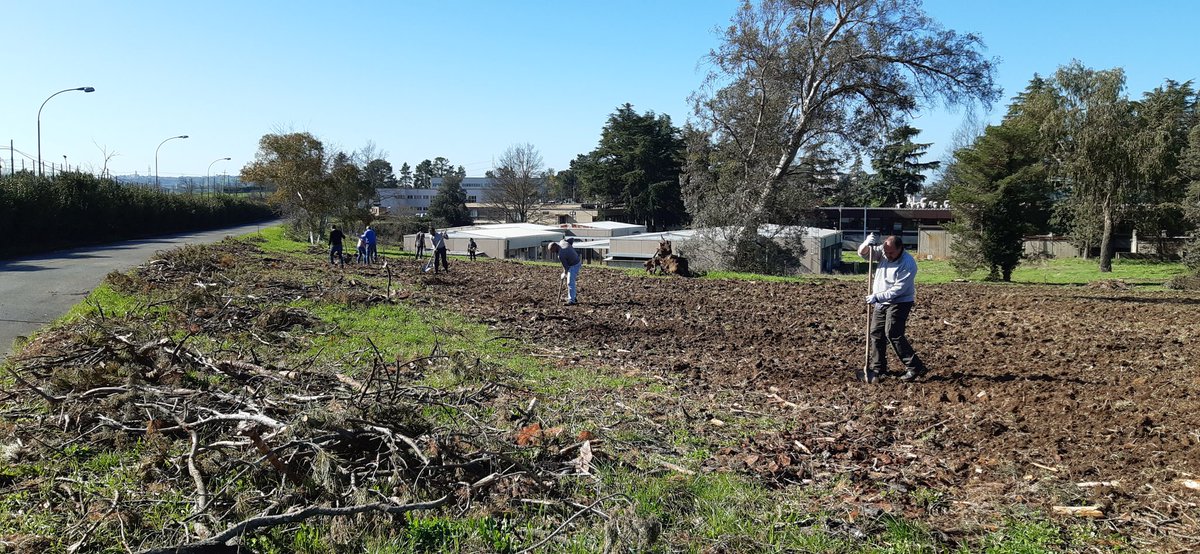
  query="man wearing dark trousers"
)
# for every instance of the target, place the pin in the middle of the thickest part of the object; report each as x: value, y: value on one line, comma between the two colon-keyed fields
x: 893, y: 291
x: 335, y: 246
x: 439, y: 250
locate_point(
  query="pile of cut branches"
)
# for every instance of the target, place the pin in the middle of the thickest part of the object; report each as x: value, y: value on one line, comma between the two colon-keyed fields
x: 166, y: 428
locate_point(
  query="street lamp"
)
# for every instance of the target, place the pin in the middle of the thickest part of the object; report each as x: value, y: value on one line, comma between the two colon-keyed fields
x: 156, y: 158
x: 39, y: 120
x: 209, y: 172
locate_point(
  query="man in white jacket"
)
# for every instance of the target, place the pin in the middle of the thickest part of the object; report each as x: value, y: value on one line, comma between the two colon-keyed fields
x: 892, y: 295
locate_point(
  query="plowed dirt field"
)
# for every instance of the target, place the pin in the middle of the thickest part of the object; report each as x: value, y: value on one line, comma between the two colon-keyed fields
x: 1037, y: 396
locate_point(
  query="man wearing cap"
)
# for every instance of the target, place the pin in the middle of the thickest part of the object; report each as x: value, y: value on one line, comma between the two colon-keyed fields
x: 569, y: 258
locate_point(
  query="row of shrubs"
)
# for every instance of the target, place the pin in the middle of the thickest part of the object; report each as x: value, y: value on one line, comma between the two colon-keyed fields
x: 39, y: 214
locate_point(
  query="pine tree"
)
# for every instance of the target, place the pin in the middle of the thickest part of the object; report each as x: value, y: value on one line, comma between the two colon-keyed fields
x: 898, y: 171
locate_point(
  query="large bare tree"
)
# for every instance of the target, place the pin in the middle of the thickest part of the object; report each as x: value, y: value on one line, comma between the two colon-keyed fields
x: 796, y: 75
x: 518, y: 187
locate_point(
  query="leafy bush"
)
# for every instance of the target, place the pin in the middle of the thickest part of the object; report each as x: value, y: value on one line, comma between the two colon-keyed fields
x: 69, y: 209
x: 1191, y: 256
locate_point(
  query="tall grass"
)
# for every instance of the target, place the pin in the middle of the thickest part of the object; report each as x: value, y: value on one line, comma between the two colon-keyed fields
x: 38, y: 214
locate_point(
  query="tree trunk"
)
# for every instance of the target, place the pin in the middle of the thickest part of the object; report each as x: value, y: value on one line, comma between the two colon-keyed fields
x: 1106, y: 239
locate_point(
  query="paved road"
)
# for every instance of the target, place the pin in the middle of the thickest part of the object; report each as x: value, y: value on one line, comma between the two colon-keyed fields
x: 38, y: 289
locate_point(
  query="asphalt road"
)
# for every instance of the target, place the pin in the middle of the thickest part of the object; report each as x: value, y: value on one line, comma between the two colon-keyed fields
x: 36, y: 290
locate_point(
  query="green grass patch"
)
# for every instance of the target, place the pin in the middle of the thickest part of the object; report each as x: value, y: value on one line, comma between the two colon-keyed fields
x: 276, y: 240
x: 1062, y: 271
x: 113, y: 304
x: 1024, y: 537
x: 401, y: 332
x: 1150, y: 274
x: 902, y: 536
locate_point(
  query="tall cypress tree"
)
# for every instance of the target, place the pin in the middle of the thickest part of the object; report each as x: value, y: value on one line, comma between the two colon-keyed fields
x: 898, y: 169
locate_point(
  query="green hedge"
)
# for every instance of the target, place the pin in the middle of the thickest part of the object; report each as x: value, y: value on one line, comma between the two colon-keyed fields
x: 39, y: 214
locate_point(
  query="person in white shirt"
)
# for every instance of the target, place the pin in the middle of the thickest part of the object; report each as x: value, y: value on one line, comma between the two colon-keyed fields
x: 892, y: 294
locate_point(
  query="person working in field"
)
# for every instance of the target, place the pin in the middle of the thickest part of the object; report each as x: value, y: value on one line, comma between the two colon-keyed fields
x: 420, y: 244
x: 335, y: 246
x: 361, y: 249
x: 439, y: 250
x: 571, y: 263
x: 372, y: 251
x: 892, y: 294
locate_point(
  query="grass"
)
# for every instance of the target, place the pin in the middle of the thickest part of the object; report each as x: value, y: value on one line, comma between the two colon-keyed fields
x: 1055, y: 271
x: 1062, y: 271
x: 113, y: 303
x: 1024, y: 536
x: 277, y: 240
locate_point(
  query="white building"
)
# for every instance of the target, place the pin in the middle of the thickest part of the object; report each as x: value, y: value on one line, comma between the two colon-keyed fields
x: 507, y: 241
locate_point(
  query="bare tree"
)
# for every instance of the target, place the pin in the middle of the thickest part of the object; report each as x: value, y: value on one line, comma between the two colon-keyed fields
x: 793, y: 75
x: 519, y: 180
x: 107, y: 156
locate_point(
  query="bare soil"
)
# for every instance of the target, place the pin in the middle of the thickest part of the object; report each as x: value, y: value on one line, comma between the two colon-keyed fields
x: 1038, y: 396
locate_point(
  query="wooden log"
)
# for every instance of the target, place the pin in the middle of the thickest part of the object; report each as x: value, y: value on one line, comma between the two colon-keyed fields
x: 1093, y: 511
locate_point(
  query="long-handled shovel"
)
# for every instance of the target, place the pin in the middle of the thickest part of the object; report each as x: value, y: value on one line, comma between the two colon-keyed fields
x: 866, y: 376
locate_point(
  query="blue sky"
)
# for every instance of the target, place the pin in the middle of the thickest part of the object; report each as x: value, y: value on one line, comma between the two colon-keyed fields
x: 458, y: 79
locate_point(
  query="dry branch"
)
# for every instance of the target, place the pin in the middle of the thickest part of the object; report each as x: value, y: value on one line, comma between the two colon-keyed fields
x: 294, y: 517
x: 1092, y: 511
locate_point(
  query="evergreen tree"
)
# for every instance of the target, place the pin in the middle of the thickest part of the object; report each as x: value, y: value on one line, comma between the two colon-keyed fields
x: 898, y: 169
x: 423, y: 175
x: 1189, y: 166
x: 1164, y: 117
x: 637, y: 164
x: 999, y: 196
x: 449, y: 205
x: 851, y: 186
x: 379, y: 174
x: 406, y: 176
x: 999, y: 188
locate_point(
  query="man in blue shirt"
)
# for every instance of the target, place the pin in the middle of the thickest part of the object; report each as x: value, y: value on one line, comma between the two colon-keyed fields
x: 892, y: 295
x: 571, y: 263
x: 372, y: 253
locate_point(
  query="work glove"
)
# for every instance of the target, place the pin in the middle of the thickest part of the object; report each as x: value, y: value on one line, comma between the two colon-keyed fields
x: 870, y: 240
x: 562, y: 276
x: 871, y: 299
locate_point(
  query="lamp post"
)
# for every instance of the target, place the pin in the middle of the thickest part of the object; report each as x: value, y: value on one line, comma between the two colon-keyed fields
x: 209, y: 172
x: 39, y: 120
x: 156, y: 158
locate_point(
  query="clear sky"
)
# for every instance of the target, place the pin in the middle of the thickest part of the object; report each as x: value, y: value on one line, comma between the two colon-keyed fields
x: 459, y: 79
